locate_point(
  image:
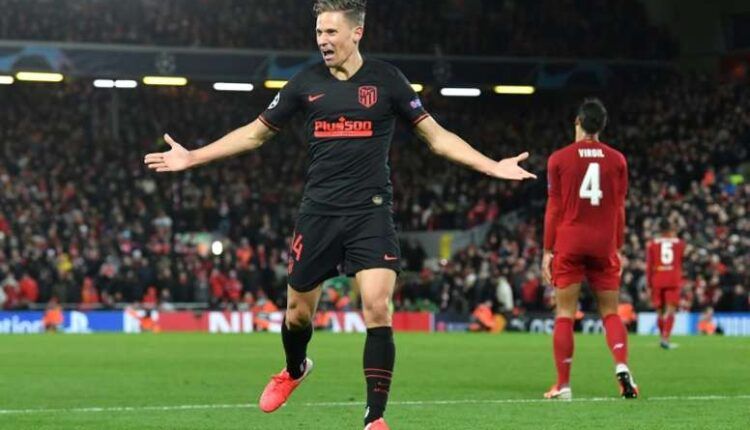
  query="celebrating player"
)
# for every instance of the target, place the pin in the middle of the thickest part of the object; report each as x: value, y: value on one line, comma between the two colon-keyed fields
x: 663, y: 278
x: 583, y: 231
x: 350, y: 105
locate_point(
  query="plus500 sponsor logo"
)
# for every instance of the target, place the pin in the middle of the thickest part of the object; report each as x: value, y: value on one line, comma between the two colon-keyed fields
x: 343, y: 128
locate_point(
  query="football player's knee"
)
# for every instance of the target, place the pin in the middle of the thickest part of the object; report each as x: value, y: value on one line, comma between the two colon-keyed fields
x: 298, y: 316
x: 565, y: 311
x: 607, y: 309
x: 566, y: 307
x: 377, y: 311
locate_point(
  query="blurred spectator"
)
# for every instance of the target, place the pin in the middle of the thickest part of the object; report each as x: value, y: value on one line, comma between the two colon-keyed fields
x: 627, y: 314
x: 28, y: 291
x: 483, y: 319
x: 706, y: 324
x: 151, y: 298
x: 165, y: 301
x: 504, y: 295
x: 53, y: 316
x: 11, y: 292
x: 89, y: 294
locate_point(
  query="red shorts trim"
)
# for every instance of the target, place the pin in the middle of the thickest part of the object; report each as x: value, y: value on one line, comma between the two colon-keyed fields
x: 602, y: 273
x: 662, y: 296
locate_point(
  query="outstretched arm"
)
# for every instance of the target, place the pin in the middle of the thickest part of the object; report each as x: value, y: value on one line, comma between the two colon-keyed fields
x: 245, y: 138
x: 446, y: 144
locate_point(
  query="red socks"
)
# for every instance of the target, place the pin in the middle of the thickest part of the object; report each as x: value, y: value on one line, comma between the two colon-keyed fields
x: 660, y: 324
x: 617, y: 338
x: 562, y: 338
x: 665, y: 324
x: 668, y: 324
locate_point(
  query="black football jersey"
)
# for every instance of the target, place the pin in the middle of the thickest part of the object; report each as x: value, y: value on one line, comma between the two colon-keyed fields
x: 349, y: 126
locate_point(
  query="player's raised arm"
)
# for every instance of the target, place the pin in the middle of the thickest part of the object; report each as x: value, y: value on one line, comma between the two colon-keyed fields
x: 449, y: 145
x: 245, y: 138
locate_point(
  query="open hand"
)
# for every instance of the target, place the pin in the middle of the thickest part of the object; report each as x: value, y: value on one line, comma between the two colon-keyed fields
x: 508, y: 168
x: 176, y: 159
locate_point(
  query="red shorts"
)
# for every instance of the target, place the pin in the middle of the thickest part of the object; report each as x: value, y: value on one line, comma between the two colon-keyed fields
x: 662, y: 296
x: 602, y: 273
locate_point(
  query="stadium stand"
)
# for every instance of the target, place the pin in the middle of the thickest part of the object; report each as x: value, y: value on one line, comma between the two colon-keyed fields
x: 78, y: 208
x: 485, y: 27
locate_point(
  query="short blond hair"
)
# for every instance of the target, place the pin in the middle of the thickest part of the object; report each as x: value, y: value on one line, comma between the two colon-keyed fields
x: 354, y: 10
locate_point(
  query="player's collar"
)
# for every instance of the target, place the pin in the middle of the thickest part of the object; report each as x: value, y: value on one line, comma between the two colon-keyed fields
x: 588, y: 139
x: 356, y: 73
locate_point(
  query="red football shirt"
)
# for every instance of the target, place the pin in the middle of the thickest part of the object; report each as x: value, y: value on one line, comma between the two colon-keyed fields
x: 664, y: 262
x: 586, y: 186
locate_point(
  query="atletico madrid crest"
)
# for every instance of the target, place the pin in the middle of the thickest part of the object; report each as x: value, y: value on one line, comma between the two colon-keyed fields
x: 368, y: 95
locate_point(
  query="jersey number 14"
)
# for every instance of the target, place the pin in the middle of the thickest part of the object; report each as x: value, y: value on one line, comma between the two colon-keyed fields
x: 590, y: 188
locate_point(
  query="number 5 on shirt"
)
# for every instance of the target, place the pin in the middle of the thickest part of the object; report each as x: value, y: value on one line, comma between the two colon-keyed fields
x: 667, y: 253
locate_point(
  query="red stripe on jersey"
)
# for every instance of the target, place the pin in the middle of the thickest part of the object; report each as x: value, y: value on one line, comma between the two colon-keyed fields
x: 420, y: 118
x: 268, y: 124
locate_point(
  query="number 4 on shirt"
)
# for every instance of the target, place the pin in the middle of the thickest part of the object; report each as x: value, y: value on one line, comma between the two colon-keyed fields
x: 590, y: 188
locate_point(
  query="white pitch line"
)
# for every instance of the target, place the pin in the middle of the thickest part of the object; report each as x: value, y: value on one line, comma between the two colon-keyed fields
x: 514, y: 401
x: 347, y: 404
x: 126, y: 408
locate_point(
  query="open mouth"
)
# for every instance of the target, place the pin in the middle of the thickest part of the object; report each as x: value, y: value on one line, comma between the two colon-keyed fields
x: 328, y: 54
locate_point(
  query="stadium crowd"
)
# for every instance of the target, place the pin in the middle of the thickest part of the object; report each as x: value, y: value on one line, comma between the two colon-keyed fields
x: 486, y: 27
x: 83, y: 221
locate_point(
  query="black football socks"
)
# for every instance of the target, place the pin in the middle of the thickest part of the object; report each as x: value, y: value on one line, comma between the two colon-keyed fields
x: 295, y: 346
x: 379, y: 356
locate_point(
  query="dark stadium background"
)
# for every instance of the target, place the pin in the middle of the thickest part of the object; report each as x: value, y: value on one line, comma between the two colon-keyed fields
x: 92, y: 241
x: 84, y: 223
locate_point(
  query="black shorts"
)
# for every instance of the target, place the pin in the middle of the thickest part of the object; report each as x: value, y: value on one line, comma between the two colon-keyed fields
x: 322, y: 242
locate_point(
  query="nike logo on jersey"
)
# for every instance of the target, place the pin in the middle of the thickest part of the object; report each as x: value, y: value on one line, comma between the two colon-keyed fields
x: 311, y: 98
x: 387, y: 257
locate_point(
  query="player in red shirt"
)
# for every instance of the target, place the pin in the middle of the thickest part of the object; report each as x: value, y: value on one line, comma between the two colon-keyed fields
x: 664, y: 277
x: 583, y: 231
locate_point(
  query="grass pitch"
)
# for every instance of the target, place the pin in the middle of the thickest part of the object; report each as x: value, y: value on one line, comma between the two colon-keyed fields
x: 442, y: 381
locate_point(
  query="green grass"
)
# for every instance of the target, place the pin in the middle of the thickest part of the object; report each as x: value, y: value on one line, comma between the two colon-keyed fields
x: 58, y: 374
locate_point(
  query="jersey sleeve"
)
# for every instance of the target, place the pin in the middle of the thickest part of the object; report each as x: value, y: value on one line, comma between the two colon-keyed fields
x: 406, y: 102
x: 554, y: 204
x: 283, y: 107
